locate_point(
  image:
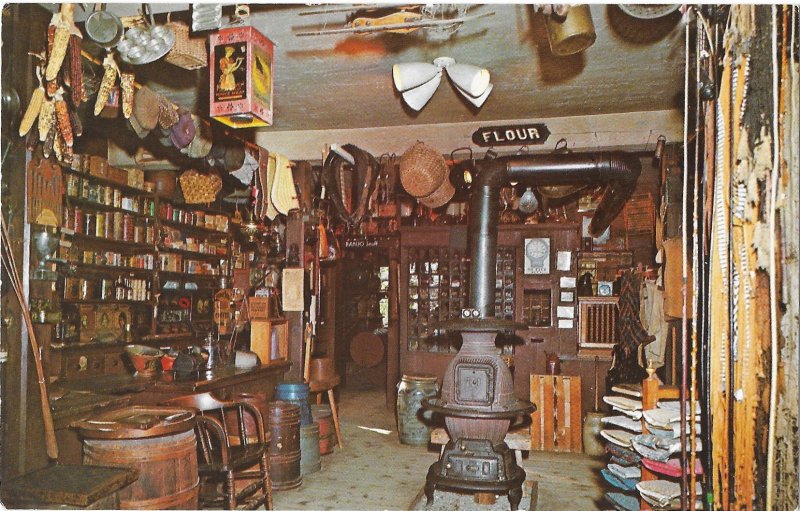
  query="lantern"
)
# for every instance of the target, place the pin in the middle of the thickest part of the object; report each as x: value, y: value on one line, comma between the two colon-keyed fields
x: 241, y: 77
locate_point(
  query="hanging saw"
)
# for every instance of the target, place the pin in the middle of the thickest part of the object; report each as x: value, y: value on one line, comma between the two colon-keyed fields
x: 401, y: 22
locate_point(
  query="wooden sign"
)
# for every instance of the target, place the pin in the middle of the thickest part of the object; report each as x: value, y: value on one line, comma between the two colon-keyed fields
x: 523, y: 134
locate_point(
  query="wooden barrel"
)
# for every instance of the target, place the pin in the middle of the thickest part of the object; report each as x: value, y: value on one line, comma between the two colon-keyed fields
x: 284, y: 449
x: 327, y: 434
x: 309, y: 449
x: 165, y: 453
x: 411, y: 390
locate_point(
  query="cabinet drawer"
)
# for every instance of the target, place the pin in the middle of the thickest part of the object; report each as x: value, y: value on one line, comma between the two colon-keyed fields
x: 113, y: 364
x: 81, y: 366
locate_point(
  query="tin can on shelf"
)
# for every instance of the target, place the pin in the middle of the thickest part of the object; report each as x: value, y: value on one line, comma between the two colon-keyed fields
x: 72, y: 185
x: 99, y: 225
x: 77, y: 220
x: 89, y: 224
x: 117, y: 228
x: 108, y: 196
x: 117, y: 199
x: 127, y: 227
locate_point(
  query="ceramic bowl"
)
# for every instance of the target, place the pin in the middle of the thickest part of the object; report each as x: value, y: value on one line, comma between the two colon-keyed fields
x: 145, y: 359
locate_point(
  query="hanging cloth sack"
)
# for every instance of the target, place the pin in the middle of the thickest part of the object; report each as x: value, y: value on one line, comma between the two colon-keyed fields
x: 284, y: 193
x: 271, y: 167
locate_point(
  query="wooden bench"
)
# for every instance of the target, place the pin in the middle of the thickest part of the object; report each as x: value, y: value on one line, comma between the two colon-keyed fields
x: 519, y: 440
x: 68, y: 487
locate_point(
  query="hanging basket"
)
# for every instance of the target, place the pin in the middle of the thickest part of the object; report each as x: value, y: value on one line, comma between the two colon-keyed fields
x: 187, y: 53
x: 199, y: 188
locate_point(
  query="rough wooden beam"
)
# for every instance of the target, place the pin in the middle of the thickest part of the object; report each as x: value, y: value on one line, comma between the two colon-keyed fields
x: 633, y: 131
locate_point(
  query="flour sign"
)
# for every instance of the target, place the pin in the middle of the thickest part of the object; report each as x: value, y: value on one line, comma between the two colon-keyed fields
x: 511, y: 135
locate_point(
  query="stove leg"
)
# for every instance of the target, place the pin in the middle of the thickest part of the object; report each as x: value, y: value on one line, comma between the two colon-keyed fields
x: 515, y: 497
x: 429, y: 489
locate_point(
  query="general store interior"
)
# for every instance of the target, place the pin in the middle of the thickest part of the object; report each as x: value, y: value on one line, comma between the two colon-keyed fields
x: 440, y: 256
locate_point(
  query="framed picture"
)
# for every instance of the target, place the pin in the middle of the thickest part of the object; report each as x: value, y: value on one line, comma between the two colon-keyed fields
x: 537, y: 256
x: 567, y: 296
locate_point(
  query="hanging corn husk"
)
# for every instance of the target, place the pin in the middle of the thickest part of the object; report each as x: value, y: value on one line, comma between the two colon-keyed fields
x: 62, y: 21
x: 34, y: 106
x: 110, y: 71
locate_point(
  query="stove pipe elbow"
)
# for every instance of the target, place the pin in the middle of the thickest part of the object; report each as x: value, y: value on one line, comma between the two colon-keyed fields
x: 617, y: 170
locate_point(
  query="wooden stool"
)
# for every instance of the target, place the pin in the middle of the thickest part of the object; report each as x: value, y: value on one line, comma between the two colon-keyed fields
x: 519, y: 440
x: 318, y: 387
x: 68, y: 487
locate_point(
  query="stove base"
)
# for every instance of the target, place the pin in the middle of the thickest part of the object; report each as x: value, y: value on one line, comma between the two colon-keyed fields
x: 512, y: 486
x: 471, y: 465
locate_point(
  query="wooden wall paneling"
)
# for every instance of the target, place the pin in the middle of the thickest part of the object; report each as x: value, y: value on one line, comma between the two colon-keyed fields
x: 24, y: 30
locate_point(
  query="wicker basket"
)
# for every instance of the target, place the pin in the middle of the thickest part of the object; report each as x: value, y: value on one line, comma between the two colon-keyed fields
x: 199, y: 188
x: 187, y: 53
x: 422, y: 170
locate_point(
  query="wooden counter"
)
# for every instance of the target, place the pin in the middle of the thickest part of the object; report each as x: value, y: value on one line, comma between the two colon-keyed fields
x: 224, y: 383
x: 80, y: 399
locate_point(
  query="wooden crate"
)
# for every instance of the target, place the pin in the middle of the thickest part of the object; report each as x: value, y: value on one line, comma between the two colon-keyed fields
x: 556, y: 423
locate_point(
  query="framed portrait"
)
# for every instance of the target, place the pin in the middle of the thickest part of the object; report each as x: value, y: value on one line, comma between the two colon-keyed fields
x: 537, y: 256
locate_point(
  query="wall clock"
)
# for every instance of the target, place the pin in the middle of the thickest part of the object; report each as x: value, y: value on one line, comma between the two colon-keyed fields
x: 537, y: 256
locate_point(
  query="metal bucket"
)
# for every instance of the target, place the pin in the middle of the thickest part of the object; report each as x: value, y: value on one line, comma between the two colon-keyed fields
x: 411, y: 390
x: 573, y: 33
x: 309, y: 449
x: 295, y: 393
x: 327, y: 433
x: 284, y: 449
x: 167, y: 469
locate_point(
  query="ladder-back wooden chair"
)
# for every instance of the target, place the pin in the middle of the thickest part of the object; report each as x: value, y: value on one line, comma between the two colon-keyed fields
x: 224, y: 456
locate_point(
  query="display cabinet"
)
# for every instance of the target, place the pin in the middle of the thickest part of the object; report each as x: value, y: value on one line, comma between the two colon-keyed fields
x: 144, y: 269
x: 535, y: 285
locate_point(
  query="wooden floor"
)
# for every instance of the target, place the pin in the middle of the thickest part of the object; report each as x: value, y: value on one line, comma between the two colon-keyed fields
x: 375, y: 471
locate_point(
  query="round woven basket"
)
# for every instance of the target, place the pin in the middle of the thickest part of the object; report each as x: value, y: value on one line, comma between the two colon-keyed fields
x: 440, y: 196
x: 198, y: 188
x: 422, y: 170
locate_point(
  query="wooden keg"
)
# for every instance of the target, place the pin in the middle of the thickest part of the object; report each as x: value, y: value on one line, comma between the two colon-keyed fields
x: 159, y: 442
x: 309, y: 449
x: 284, y: 450
x: 327, y: 433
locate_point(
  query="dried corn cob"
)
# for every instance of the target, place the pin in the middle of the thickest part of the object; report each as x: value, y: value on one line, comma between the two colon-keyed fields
x: 109, y: 77
x: 34, y: 105
x: 51, y: 87
x: 47, y: 119
x: 60, y: 45
x: 51, y: 35
x: 126, y: 82
x: 62, y: 118
x: 58, y: 146
x: 49, y: 141
x: 77, y: 125
x: 75, y: 69
x: 32, y: 140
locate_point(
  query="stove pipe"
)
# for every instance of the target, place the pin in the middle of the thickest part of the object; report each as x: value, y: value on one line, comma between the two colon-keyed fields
x: 617, y: 170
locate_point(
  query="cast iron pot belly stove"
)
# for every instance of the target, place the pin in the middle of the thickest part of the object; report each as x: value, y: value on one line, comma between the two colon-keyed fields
x: 478, y: 406
x: 477, y: 400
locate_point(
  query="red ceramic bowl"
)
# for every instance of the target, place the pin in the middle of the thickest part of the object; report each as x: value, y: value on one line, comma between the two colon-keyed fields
x: 144, y: 358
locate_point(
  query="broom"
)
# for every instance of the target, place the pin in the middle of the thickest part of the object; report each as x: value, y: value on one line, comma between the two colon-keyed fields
x: 16, y: 284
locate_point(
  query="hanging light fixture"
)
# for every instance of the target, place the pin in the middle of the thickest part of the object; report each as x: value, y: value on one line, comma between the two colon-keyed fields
x: 418, y: 81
